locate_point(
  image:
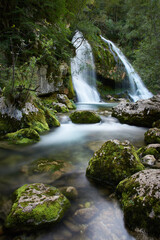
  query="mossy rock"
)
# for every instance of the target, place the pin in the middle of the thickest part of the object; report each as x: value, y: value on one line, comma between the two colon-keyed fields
x: 152, y: 136
x: 113, y: 162
x: 60, y: 107
x: 37, y: 121
x: 51, y: 118
x: 36, y: 205
x: 84, y: 117
x: 151, y: 149
x: 62, y: 98
x: 156, y: 124
x: 140, y: 201
x: 23, y: 136
x: 8, y: 124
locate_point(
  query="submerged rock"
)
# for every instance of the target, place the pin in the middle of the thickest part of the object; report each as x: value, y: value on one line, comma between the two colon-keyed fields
x: 36, y: 205
x: 140, y: 198
x: 113, y: 162
x: 152, y: 135
x: 140, y: 113
x: 84, y: 117
x: 23, y: 136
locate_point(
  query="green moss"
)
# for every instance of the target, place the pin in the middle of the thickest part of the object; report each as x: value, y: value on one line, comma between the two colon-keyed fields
x: 138, y: 208
x: 59, y: 107
x: 51, y: 118
x: 23, y: 136
x: 113, y: 162
x: 152, y: 136
x: 84, y: 117
x: 33, y: 213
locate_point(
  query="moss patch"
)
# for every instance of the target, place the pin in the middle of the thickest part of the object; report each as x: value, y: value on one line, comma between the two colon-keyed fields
x: 23, y: 136
x: 113, y: 162
x: 84, y: 117
x: 140, y: 200
x: 36, y: 205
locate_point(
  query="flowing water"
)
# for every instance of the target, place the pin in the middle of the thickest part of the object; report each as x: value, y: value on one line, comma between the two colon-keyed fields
x: 83, y: 71
x: 74, y: 145
x: 137, y: 89
x: 60, y: 159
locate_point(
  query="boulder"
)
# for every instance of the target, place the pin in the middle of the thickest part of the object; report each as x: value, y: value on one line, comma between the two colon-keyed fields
x: 151, y: 149
x: 152, y: 135
x: 113, y: 162
x: 149, y: 160
x: 60, y: 107
x: 84, y: 117
x: 36, y: 205
x: 23, y: 136
x: 32, y: 115
x: 62, y: 98
x: 140, y: 199
x: 140, y: 113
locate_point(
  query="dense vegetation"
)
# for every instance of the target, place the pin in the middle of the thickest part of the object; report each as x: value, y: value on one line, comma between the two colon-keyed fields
x: 135, y: 27
x: 35, y: 33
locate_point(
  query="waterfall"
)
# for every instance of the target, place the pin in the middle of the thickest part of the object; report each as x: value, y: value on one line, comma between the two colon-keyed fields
x: 137, y: 89
x: 83, y: 71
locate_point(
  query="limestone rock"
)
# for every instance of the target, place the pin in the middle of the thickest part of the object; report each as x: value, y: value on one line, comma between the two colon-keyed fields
x: 152, y: 135
x: 140, y: 113
x: 36, y: 205
x: 84, y: 117
x: 84, y: 215
x: 149, y: 160
x: 151, y: 149
x: 113, y: 162
x: 60, y: 107
x: 140, y: 198
x: 62, y: 98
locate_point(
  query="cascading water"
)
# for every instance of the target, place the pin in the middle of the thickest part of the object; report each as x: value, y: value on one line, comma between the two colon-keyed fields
x: 83, y: 73
x: 137, y: 89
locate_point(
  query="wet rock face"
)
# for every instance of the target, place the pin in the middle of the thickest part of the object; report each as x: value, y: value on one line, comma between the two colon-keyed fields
x: 113, y: 162
x: 152, y: 135
x: 84, y: 117
x: 35, y: 205
x: 140, y: 113
x: 140, y: 198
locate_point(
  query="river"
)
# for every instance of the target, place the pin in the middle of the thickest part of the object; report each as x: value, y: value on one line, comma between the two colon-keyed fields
x: 74, y: 145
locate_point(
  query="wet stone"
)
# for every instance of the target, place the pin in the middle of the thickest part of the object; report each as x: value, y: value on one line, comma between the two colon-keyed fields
x: 84, y: 215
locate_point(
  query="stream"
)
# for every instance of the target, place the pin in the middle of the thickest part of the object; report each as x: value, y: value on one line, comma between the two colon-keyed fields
x: 73, y: 145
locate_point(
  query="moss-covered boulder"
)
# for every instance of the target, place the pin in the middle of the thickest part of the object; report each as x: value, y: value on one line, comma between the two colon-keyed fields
x: 140, y: 113
x: 85, y: 117
x: 113, y: 162
x: 51, y: 118
x: 23, y: 136
x: 140, y: 199
x: 150, y: 155
x: 36, y: 205
x: 62, y: 98
x: 152, y: 135
x: 60, y: 107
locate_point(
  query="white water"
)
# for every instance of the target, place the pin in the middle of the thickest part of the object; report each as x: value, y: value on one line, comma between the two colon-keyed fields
x: 83, y: 73
x: 137, y: 89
